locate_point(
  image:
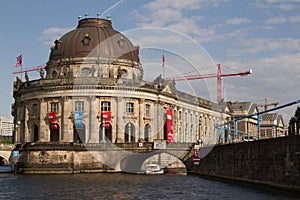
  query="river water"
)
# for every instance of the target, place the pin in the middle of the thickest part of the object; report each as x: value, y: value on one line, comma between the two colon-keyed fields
x: 126, y: 186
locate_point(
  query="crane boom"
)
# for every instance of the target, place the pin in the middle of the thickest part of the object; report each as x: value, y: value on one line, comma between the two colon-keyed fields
x: 219, y: 76
x: 30, y: 69
x: 203, y: 76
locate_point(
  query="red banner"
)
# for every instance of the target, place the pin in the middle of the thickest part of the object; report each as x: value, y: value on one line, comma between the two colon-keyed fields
x: 52, y: 117
x: 106, y: 116
x: 169, y: 124
x: 52, y: 121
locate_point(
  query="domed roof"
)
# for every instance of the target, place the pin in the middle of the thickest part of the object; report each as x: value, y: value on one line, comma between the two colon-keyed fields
x: 94, y: 37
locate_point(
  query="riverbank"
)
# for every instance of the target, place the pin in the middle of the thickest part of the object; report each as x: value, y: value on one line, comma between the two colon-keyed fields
x: 291, y: 191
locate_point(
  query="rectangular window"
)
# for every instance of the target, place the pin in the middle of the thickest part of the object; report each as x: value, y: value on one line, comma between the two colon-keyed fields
x: 79, y: 106
x: 54, y: 107
x: 105, y: 106
x: 147, y: 109
x: 35, y: 109
x: 129, y: 107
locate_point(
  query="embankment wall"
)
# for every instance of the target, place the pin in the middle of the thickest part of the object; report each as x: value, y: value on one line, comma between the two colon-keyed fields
x: 274, y: 162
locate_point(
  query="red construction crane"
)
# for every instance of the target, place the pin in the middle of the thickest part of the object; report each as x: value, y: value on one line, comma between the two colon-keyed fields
x: 219, y: 76
x: 30, y: 69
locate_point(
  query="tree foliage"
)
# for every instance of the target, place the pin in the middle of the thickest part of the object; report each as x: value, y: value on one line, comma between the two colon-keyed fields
x: 294, y: 123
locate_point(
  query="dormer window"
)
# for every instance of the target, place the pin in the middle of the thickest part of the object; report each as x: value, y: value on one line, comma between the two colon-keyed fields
x: 121, y: 42
x: 86, y: 40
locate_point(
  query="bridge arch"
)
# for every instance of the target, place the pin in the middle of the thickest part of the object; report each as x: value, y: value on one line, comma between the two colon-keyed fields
x: 134, y: 163
x: 4, y: 157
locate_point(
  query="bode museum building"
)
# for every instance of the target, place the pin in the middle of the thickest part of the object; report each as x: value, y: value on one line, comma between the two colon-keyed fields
x: 91, y: 93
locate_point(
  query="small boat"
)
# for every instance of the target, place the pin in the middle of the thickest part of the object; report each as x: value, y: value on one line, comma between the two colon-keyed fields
x: 153, y: 169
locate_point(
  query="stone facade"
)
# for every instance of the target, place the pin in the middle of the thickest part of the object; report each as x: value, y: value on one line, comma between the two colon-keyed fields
x: 95, y: 69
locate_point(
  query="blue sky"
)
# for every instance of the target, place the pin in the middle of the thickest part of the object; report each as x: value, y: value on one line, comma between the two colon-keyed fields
x: 262, y: 35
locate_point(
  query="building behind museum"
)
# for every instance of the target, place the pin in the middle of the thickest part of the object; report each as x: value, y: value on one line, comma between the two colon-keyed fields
x: 6, y: 128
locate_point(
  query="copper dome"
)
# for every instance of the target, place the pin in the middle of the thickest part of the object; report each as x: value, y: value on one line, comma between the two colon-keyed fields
x: 94, y: 37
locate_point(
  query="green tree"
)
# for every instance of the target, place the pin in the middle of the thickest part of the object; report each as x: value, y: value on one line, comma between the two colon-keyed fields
x: 294, y: 123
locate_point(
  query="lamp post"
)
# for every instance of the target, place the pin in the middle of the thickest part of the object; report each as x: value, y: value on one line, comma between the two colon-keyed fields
x: 129, y: 132
x: 199, y: 137
x: 101, y: 119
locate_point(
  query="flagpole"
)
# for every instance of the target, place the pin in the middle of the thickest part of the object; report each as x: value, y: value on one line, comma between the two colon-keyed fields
x: 21, y: 67
x: 163, y: 64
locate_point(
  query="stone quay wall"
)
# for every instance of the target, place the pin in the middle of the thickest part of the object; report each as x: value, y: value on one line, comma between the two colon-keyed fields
x: 273, y: 162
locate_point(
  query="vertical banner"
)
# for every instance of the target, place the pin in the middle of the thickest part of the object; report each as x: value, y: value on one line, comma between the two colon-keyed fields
x: 52, y: 117
x: 106, y: 116
x: 52, y: 120
x: 169, y: 124
x: 78, y: 119
x: 196, y: 158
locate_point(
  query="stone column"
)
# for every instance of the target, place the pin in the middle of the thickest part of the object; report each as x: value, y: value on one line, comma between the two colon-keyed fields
x: 160, y: 120
x: 140, y: 119
x: 27, y: 135
x: 93, y: 128
x: 114, y: 120
x: 66, y: 120
x: 43, y: 126
x: 119, y: 120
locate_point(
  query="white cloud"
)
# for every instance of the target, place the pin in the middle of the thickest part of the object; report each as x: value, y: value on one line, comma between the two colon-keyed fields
x: 276, y: 20
x: 162, y: 17
x: 179, y: 4
x: 274, y: 77
x: 257, y: 45
x: 237, y: 21
x: 50, y: 34
x: 278, y: 4
x: 294, y: 19
x: 286, y: 6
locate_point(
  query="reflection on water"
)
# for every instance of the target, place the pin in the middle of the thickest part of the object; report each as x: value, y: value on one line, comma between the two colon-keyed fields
x: 123, y: 186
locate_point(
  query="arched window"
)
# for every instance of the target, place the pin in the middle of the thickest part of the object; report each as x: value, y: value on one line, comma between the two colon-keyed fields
x: 147, y: 131
x: 129, y: 134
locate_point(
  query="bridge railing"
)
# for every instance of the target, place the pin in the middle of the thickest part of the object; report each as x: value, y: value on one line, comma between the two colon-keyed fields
x: 135, y: 146
x: 7, y: 146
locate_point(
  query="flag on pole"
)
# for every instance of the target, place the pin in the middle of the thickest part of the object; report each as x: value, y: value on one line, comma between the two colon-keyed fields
x: 18, y: 61
x: 163, y: 64
x: 163, y: 58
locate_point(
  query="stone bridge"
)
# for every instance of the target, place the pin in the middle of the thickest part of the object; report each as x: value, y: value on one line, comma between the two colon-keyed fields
x: 172, y: 156
x: 5, y: 152
x: 103, y: 157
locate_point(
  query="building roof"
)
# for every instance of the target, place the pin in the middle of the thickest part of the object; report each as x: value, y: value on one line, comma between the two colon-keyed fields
x: 242, y: 108
x: 94, y: 37
x: 272, y: 118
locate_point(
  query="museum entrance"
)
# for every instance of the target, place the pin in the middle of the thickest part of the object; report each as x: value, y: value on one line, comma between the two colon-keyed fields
x: 54, y: 133
x: 79, y: 134
x: 35, y: 133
